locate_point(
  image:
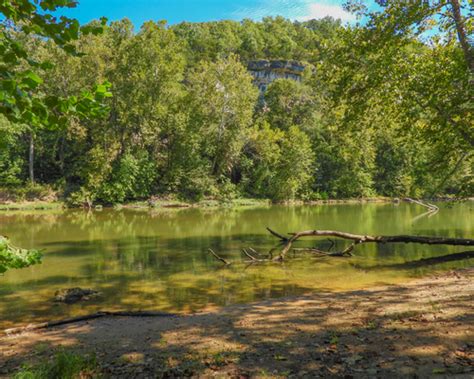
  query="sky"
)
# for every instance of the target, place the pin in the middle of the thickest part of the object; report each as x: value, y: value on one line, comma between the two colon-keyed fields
x: 175, y: 11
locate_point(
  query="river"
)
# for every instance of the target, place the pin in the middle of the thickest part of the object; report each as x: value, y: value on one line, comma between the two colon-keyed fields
x: 158, y: 259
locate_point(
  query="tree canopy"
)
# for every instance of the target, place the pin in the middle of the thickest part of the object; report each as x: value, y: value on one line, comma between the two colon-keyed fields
x: 25, y: 105
x: 384, y: 107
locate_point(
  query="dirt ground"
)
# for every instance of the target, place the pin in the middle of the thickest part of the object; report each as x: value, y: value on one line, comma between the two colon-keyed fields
x: 422, y: 329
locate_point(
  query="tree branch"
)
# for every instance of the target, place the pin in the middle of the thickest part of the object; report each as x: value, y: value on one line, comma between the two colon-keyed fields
x: 227, y: 263
x: 431, y: 207
x: 277, y: 235
x: 357, y: 238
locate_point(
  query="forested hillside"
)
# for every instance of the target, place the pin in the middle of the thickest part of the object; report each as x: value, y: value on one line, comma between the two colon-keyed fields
x: 379, y: 111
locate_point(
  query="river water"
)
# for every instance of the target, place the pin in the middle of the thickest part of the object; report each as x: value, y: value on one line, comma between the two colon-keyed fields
x: 158, y: 259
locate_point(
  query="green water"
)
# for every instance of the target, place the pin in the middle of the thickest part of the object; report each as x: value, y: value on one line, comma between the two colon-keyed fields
x: 158, y: 259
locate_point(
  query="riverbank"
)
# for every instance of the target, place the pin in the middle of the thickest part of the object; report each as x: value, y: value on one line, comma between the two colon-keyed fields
x: 31, y: 205
x: 178, y: 204
x: 423, y: 328
x: 149, y: 204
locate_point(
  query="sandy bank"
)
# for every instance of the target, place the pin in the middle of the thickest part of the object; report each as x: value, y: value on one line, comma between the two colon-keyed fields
x: 425, y: 328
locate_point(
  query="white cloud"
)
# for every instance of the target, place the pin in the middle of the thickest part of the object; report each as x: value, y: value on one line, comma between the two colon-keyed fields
x: 301, y: 10
x: 321, y: 10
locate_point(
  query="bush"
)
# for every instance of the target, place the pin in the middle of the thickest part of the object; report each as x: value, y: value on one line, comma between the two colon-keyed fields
x: 34, y: 191
x: 29, y: 192
x: 80, y: 198
x: 197, y: 184
x: 131, y: 178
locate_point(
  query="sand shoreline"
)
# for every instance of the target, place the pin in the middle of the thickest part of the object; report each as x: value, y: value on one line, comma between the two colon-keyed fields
x: 425, y: 327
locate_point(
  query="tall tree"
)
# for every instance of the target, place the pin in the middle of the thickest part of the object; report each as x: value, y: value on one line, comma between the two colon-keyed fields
x: 223, y: 99
x: 20, y: 99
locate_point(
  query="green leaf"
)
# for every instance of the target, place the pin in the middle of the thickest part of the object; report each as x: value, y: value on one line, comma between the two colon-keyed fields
x: 32, y: 80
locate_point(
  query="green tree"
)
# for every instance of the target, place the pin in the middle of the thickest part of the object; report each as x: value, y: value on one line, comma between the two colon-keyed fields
x: 21, y: 98
x: 294, y: 169
x: 290, y: 103
x: 223, y: 100
x: 432, y: 83
x: 263, y: 154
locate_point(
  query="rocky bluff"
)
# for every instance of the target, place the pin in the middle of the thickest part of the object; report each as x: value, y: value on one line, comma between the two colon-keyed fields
x: 266, y: 71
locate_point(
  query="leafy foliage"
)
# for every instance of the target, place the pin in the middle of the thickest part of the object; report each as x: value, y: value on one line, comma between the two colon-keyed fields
x: 381, y: 109
x: 24, y: 103
x: 12, y: 257
x: 21, y: 100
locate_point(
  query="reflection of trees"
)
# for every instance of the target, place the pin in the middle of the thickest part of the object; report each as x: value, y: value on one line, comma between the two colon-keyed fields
x: 376, y: 219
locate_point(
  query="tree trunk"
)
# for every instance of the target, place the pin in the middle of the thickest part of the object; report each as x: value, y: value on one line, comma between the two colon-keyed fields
x: 31, y: 158
x: 461, y: 31
x: 62, y: 144
x: 347, y: 252
x: 358, y: 239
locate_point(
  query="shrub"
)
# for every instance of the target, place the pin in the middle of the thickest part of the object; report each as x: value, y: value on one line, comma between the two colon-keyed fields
x: 30, y: 192
x: 197, y: 184
x: 131, y: 178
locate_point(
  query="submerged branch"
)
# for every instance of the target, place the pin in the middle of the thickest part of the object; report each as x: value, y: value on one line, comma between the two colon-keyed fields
x: 347, y: 252
x: 253, y: 259
x: 278, y: 235
x: 431, y: 207
x: 219, y: 258
x: 423, y: 262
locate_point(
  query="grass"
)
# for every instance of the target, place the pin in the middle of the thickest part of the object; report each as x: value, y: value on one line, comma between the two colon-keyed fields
x: 371, y: 325
x: 209, y: 203
x: 140, y: 205
x: 31, y: 205
x: 64, y: 365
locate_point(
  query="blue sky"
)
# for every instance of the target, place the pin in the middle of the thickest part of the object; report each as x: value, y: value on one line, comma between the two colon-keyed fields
x: 175, y: 11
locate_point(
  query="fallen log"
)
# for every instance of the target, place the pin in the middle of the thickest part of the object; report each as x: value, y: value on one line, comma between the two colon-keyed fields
x: 51, y: 324
x: 347, y: 252
x: 358, y: 239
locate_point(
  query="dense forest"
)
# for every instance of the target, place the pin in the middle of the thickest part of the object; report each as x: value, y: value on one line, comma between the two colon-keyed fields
x: 384, y: 108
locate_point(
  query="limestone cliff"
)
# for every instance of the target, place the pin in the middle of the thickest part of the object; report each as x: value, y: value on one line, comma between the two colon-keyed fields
x: 265, y: 71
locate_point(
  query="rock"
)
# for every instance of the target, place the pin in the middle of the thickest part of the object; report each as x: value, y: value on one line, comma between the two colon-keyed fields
x: 73, y: 295
x: 265, y: 72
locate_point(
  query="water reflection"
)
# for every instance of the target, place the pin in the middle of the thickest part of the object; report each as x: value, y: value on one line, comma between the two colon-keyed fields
x: 159, y: 260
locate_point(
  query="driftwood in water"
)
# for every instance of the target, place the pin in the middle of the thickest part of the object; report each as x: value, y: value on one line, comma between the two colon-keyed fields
x: 358, y: 239
x: 219, y: 258
x: 347, y: 252
x: 50, y: 324
x: 431, y: 207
